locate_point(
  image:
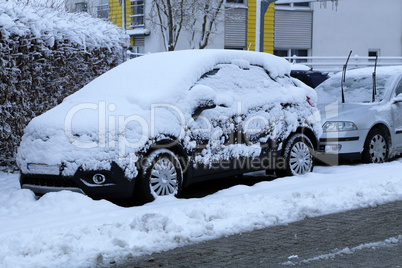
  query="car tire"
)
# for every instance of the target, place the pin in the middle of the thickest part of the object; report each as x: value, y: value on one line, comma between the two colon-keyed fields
x: 376, y: 146
x: 298, y: 156
x: 162, y: 175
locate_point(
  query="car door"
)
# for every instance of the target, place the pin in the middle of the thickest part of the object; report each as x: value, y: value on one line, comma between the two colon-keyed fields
x: 396, y: 110
x: 212, y: 129
x: 230, y: 132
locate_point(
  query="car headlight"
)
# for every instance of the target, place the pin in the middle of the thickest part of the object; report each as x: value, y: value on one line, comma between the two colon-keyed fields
x: 336, y: 126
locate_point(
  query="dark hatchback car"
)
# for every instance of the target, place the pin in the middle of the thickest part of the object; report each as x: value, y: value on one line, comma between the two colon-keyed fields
x: 310, y: 78
x: 155, y: 124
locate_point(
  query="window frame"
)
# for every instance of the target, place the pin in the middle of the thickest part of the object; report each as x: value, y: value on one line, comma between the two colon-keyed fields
x: 102, y: 10
x: 135, y: 6
x: 292, y: 6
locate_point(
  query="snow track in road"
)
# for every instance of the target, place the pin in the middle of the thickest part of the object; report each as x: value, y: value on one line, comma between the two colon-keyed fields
x: 390, y: 242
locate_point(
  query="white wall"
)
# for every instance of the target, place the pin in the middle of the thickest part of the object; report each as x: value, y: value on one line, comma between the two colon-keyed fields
x: 358, y: 25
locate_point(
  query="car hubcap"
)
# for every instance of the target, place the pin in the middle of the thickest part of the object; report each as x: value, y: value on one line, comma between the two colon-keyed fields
x: 300, y: 160
x: 378, y: 149
x: 163, y: 179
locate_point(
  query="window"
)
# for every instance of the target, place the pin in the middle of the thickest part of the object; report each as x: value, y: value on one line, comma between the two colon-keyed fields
x: 81, y: 7
x: 103, y: 9
x: 398, y: 89
x: 235, y: 1
x: 138, y: 47
x: 303, y: 4
x: 281, y: 52
x: 292, y: 52
x: 137, y: 13
x: 373, y: 53
x: 293, y: 6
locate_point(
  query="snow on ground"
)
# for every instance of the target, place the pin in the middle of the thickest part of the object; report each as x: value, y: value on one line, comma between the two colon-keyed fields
x: 70, y: 229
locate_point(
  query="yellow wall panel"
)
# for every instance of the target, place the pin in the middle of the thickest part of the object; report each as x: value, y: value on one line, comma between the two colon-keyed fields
x: 251, y: 19
x: 115, y: 13
x: 268, y: 27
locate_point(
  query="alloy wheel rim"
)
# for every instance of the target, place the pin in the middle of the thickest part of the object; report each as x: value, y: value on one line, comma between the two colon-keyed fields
x: 301, y: 159
x: 163, y: 180
x: 378, y: 149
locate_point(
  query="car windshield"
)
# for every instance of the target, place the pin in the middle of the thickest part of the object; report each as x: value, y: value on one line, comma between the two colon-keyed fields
x: 357, y: 89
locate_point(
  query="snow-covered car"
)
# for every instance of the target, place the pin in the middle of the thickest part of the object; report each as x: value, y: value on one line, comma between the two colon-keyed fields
x: 368, y: 124
x: 310, y: 78
x: 155, y: 124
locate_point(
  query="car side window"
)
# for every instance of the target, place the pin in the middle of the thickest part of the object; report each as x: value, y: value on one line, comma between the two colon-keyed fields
x: 398, y: 89
x: 235, y: 79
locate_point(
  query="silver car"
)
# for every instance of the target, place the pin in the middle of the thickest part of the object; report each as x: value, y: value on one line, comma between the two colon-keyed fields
x: 367, y: 125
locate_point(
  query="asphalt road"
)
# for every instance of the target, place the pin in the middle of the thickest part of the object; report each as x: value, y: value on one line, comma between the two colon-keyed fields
x: 367, y: 237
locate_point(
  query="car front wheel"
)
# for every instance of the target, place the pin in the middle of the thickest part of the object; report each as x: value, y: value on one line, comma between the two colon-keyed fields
x: 162, y: 175
x: 298, y: 156
x: 376, y: 147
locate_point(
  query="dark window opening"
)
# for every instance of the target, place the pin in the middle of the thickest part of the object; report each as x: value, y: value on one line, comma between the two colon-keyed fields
x: 303, y: 4
x: 235, y: 1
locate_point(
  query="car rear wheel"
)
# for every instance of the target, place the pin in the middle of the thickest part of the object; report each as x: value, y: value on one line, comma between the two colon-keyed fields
x: 298, y: 156
x: 162, y: 175
x: 376, y: 147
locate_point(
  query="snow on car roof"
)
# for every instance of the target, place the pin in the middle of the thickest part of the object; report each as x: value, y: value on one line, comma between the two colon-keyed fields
x: 156, y: 77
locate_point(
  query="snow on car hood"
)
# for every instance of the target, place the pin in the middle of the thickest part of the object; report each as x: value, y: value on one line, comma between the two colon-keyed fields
x: 82, y: 131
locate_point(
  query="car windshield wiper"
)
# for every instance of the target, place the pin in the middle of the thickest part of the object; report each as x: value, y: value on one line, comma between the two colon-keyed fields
x: 344, y: 76
x: 374, y: 78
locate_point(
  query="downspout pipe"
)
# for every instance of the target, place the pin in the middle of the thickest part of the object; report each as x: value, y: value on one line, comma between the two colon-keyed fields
x: 262, y: 7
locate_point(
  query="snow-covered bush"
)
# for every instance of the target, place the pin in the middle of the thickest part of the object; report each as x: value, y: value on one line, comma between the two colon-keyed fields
x: 45, y: 55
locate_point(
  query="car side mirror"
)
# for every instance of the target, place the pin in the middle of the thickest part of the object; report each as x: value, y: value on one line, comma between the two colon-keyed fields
x: 204, y: 105
x: 397, y: 99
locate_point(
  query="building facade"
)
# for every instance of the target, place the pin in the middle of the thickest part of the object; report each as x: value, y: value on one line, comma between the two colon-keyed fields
x: 235, y: 27
x: 367, y: 27
x: 333, y: 28
x: 291, y: 27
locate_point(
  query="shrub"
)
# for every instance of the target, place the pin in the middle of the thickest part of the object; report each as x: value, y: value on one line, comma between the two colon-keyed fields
x: 46, y: 55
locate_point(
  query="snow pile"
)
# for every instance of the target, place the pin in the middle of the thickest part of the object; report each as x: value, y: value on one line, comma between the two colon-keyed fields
x: 69, y: 229
x: 150, y: 98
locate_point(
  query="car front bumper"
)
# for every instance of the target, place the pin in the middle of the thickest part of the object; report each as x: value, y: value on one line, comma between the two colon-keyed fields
x: 116, y: 184
x: 344, y: 145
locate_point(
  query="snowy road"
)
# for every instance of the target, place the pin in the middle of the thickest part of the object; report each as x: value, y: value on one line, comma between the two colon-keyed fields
x: 365, y: 237
x: 69, y: 229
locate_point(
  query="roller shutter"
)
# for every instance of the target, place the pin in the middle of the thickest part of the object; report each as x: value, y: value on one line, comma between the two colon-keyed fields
x: 235, y: 28
x: 139, y: 41
x: 293, y: 29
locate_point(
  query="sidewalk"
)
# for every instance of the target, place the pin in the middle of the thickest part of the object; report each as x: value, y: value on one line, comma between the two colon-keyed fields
x: 369, y: 237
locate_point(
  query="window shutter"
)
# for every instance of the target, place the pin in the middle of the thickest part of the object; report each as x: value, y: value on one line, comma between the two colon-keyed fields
x: 235, y: 27
x: 293, y: 29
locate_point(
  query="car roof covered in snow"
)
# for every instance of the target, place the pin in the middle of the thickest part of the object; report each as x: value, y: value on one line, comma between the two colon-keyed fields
x: 155, y: 77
